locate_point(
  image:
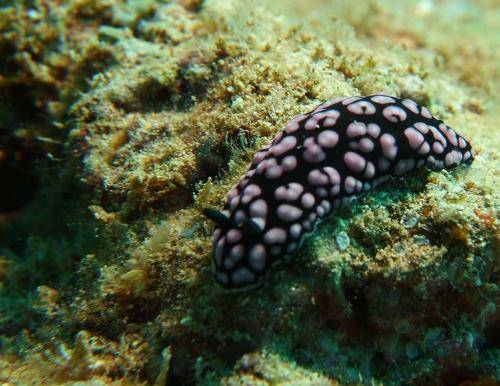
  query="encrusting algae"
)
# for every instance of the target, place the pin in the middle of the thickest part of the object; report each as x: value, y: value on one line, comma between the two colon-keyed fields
x: 148, y: 112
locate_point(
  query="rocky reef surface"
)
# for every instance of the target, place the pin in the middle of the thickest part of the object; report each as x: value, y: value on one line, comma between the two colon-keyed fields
x: 121, y: 120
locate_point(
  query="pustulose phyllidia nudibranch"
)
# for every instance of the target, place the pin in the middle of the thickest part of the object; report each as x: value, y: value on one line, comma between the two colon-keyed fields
x: 321, y: 161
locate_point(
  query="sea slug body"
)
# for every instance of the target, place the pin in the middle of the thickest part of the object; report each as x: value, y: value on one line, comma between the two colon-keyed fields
x: 321, y: 161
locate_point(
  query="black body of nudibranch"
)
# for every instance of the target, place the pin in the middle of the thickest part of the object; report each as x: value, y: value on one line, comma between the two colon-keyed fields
x: 320, y: 161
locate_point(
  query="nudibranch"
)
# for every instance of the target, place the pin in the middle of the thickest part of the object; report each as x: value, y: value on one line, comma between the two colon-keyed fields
x: 319, y: 162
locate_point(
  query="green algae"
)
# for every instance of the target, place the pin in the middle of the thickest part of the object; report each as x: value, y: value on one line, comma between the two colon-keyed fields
x: 161, y: 105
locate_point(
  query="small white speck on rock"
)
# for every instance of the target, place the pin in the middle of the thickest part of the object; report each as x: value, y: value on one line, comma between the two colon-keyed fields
x: 237, y: 104
x: 186, y: 320
x: 342, y: 240
x: 409, y: 220
x: 421, y: 240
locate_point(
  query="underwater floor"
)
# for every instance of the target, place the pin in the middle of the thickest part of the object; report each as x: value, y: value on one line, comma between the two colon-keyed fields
x: 120, y: 121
